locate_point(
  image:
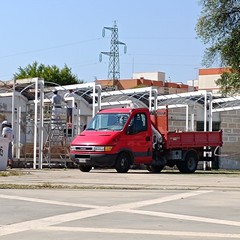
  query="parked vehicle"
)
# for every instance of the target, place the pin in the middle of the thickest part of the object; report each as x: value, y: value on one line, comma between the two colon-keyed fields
x: 120, y: 137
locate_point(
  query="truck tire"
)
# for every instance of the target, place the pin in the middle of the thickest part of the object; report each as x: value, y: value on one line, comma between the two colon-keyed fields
x: 123, y: 163
x: 189, y: 165
x: 85, y: 168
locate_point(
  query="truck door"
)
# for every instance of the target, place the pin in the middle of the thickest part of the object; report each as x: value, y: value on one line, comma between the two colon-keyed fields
x: 140, y: 139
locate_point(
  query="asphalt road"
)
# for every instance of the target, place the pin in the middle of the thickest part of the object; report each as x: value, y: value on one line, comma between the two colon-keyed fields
x: 102, y: 204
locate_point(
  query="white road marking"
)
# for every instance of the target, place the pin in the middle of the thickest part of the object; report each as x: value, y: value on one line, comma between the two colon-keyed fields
x: 159, y: 200
x: 37, y: 200
x: 142, y: 231
x: 53, y: 220
x: 127, y: 205
x: 185, y: 217
x: 48, y: 222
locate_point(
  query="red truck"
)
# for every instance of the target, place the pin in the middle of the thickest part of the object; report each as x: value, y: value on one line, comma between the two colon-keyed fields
x: 121, y: 137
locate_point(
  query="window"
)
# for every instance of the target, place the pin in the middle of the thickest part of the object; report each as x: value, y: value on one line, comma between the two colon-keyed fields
x: 138, y: 123
x: 108, y: 121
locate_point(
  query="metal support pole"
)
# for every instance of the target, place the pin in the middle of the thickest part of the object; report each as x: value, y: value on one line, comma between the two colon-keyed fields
x: 78, y: 127
x: 205, y: 112
x: 13, y: 111
x: 150, y: 100
x: 205, y: 123
x: 18, y: 131
x: 41, y: 106
x: 192, y: 118
x: 210, y: 119
x: 35, y: 125
x: 94, y: 99
x: 186, y: 118
x: 99, y: 97
x: 155, y: 99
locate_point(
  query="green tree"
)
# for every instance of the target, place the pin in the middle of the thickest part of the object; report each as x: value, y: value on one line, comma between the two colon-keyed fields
x: 219, y: 28
x: 49, y: 73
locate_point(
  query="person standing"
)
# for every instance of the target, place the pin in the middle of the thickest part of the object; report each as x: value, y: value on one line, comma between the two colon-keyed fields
x: 56, y: 106
x: 70, y: 104
x: 7, y: 132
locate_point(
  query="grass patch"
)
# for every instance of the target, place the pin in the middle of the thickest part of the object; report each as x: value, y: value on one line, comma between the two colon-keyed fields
x: 33, y: 186
x: 55, y: 186
x: 11, y: 172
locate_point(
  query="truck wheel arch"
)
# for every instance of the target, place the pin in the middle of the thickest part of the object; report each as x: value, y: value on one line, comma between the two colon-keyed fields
x: 127, y: 151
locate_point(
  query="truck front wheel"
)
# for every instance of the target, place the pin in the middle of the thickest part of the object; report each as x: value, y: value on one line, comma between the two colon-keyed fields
x: 122, y: 163
x: 189, y: 165
x: 85, y: 168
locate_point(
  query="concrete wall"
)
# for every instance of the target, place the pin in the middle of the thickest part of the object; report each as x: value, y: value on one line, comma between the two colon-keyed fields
x: 177, y: 119
x: 230, y: 124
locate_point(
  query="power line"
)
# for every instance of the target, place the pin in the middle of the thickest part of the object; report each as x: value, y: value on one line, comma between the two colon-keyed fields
x: 50, y: 48
x: 159, y: 55
x: 161, y: 38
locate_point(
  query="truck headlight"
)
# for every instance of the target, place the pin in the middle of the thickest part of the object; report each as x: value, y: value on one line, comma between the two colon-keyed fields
x: 100, y: 149
x: 103, y: 148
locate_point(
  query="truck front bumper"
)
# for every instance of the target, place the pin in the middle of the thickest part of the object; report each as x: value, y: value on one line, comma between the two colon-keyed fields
x: 94, y: 160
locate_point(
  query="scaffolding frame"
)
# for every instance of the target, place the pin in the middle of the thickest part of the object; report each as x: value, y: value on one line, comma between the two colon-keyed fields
x: 38, y: 121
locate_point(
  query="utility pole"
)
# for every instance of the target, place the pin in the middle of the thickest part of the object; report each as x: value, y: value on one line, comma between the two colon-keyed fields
x: 114, y: 65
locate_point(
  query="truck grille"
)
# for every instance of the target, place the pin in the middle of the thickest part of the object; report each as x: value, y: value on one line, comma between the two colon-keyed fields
x: 84, y: 148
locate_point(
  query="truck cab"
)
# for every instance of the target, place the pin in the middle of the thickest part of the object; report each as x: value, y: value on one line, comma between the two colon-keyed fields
x: 115, y: 138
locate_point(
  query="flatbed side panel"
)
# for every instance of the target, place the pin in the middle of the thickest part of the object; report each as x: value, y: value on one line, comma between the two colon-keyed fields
x: 192, y: 139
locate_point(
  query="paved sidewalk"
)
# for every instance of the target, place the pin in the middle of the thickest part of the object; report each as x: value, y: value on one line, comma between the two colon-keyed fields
x: 109, y: 178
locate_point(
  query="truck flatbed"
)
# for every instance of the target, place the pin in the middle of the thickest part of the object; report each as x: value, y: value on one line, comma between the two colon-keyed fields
x: 173, y: 140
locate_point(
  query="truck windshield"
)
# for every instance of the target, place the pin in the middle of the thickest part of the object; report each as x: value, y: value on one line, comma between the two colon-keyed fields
x: 108, y: 121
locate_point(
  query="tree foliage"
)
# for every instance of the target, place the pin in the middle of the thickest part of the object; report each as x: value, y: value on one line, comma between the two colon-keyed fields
x: 49, y: 73
x: 219, y: 28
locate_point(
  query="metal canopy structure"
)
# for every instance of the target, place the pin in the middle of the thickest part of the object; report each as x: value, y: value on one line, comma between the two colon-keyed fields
x: 225, y: 104
x: 187, y: 100
x: 148, y: 97
x: 184, y: 98
x: 38, y: 91
x: 91, y: 92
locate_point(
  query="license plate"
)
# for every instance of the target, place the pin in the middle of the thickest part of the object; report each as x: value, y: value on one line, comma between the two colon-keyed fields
x: 81, y: 160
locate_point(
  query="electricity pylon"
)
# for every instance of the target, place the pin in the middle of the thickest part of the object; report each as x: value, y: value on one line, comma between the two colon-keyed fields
x: 114, y: 65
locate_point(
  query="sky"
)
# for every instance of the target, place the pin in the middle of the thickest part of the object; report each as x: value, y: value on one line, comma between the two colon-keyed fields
x: 160, y: 36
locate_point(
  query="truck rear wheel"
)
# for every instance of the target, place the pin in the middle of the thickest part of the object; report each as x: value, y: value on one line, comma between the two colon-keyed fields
x: 122, y: 163
x: 85, y: 168
x: 189, y: 165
